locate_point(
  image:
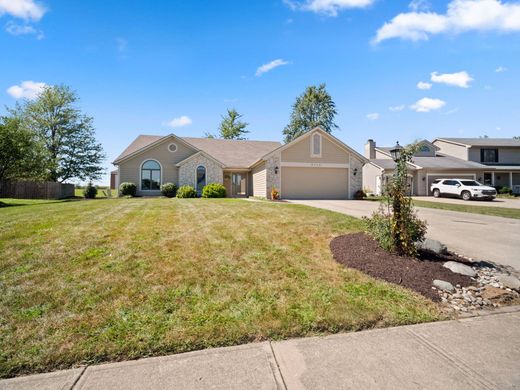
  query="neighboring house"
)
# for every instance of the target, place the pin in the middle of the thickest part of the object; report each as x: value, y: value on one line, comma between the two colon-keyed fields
x: 501, y: 156
x: 113, y: 180
x: 427, y: 165
x: 316, y: 165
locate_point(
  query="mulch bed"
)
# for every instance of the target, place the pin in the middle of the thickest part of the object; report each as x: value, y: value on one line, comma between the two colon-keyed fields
x: 363, y: 253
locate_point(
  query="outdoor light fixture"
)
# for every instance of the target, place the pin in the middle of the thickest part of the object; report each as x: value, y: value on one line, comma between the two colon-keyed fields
x: 396, y: 151
x: 276, y: 170
x: 355, y: 171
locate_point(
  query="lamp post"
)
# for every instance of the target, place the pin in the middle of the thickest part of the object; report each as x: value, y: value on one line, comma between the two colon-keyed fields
x: 396, y: 194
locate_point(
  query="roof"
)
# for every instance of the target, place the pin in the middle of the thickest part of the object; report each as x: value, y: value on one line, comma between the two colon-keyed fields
x: 481, y: 141
x: 438, y: 162
x: 385, y: 163
x: 233, y: 153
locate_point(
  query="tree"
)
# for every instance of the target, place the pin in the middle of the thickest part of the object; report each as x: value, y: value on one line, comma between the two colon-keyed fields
x: 67, y: 134
x: 516, y: 137
x: 231, y: 127
x: 314, y: 107
x: 20, y: 152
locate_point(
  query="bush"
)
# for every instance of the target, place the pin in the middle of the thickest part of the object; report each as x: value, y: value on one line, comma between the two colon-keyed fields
x: 275, y: 194
x: 214, y: 190
x: 90, y: 191
x: 186, y: 192
x: 505, y: 190
x: 169, y: 190
x: 127, y: 189
x: 360, y: 195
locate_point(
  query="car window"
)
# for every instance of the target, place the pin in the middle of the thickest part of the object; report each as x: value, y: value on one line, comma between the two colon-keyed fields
x: 436, y: 181
x: 470, y: 183
x: 449, y: 182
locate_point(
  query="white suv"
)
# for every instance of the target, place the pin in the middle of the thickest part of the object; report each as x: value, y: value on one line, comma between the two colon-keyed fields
x: 463, y: 188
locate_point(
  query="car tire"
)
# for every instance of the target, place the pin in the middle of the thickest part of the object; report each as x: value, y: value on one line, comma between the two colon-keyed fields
x: 466, y: 195
x: 436, y: 193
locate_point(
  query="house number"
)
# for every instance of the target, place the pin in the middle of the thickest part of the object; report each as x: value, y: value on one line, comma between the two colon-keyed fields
x: 315, y: 165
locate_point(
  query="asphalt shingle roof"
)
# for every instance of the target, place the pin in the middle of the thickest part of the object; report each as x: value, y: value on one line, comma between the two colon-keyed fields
x: 483, y: 141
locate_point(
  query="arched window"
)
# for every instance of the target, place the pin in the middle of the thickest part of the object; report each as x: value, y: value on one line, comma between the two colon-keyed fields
x: 201, y: 178
x: 316, y: 145
x: 150, y: 176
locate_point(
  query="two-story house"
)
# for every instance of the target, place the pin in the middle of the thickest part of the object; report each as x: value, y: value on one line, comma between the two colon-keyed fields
x: 501, y: 156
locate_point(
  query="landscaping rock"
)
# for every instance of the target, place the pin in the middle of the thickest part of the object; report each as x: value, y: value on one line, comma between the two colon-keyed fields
x: 490, y: 293
x: 460, y: 268
x: 443, y: 285
x: 433, y: 246
x: 509, y: 281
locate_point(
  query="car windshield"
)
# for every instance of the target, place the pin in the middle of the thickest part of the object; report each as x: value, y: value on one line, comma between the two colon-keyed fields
x: 470, y: 183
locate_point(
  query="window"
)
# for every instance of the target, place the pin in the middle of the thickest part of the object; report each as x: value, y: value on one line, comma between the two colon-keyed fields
x: 424, y: 149
x: 470, y: 183
x: 172, y: 147
x: 450, y: 182
x: 201, y: 178
x: 489, y: 155
x: 150, y: 176
x: 316, y: 145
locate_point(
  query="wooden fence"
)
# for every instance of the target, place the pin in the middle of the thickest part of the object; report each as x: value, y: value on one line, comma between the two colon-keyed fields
x: 25, y: 189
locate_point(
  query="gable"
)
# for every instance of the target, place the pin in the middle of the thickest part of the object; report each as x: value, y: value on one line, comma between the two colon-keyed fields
x: 426, y: 149
x: 303, y: 152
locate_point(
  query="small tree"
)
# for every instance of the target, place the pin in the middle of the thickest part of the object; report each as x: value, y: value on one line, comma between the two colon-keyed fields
x: 231, y: 127
x: 314, y: 107
x: 90, y: 191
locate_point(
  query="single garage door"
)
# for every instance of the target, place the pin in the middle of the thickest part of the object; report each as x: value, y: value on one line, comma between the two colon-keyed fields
x: 314, y: 183
x: 431, y: 178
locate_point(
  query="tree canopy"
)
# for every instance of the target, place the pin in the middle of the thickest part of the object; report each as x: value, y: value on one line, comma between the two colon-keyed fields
x: 314, y: 107
x: 67, y: 135
x: 231, y: 127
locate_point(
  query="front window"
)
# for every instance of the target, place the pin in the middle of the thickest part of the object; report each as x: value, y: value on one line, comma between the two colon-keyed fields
x: 201, y: 178
x: 150, y: 176
x: 489, y: 155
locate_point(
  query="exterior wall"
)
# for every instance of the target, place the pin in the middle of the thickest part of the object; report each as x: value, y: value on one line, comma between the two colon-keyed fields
x: 273, y: 179
x: 450, y: 149
x: 355, y: 181
x: 259, y: 175
x: 370, y: 174
x: 301, y: 152
x: 505, y: 155
x: 188, y: 171
x: 130, y: 170
x: 382, y: 155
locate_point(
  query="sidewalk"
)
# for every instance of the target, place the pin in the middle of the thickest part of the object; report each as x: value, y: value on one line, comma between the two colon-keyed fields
x: 474, y: 353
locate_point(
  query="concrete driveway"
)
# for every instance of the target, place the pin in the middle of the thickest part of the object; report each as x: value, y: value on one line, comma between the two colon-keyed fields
x: 480, y: 237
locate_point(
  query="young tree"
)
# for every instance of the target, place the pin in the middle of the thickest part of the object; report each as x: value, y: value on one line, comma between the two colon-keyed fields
x: 20, y: 152
x: 231, y: 127
x: 314, y: 107
x: 67, y: 134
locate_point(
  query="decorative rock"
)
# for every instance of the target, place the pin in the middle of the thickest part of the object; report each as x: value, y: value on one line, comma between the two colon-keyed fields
x: 493, y: 293
x: 459, y: 268
x: 509, y: 281
x: 433, y: 246
x: 443, y: 285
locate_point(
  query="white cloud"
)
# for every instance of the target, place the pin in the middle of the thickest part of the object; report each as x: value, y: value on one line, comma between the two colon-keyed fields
x: 461, y: 16
x: 373, y: 116
x: 397, y: 108
x: 427, y: 105
x: 423, y: 85
x: 327, y: 7
x: 419, y: 5
x: 180, y: 121
x: 23, y: 29
x: 501, y: 69
x: 270, y: 66
x: 459, y: 79
x: 27, y: 89
x: 22, y: 9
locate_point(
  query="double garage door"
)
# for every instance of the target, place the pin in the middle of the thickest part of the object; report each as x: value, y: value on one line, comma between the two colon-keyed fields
x: 314, y: 183
x: 431, y: 178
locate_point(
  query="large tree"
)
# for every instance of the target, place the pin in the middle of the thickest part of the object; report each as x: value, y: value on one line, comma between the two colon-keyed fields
x: 20, y: 151
x: 231, y: 126
x: 314, y: 107
x: 67, y: 134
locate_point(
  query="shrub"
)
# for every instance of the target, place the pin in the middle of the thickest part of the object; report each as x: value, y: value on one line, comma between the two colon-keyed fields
x: 275, y: 194
x: 90, y: 191
x: 214, y: 190
x: 186, y: 192
x: 127, y: 189
x: 505, y: 190
x: 360, y: 195
x: 169, y: 190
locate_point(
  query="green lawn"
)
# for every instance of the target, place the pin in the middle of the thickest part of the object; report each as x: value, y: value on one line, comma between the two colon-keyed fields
x: 102, y: 192
x: 114, y: 279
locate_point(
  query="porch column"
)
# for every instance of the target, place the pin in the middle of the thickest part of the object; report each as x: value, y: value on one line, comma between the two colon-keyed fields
x: 511, y: 179
x: 493, y: 179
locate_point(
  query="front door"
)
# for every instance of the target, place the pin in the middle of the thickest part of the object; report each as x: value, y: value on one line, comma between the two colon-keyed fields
x: 238, y: 184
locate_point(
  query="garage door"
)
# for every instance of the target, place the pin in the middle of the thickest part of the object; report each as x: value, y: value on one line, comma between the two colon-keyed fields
x: 314, y: 183
x: 431, y: 178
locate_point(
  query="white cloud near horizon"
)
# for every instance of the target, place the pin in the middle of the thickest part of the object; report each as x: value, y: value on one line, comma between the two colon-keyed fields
x: 26, y: 90
x: 461, y: 16
x: 458, y: 79
x: 501, y: 69
x: 427, y: 105
x: 22, y: 9
x: 373, y: 116
x: 423, y: 85
x: 397, y: 108
x: 327, y: 7
x: 180, y: 121
x: 270, y: 66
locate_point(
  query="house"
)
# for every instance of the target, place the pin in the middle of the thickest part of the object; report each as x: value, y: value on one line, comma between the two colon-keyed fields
x: 428, y: 163
x: 315, y: 165
x: 500, y: 156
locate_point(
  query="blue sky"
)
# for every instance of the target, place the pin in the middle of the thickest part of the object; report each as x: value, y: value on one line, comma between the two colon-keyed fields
x: 141, y: 67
